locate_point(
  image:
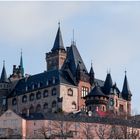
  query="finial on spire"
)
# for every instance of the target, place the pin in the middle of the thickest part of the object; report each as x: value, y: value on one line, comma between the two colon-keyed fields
x: 21, y: 52
x: 4, y: 63
x: 59, y: 24
x: 125, y: 72
x: 73, y: 42
x: 91, y: 63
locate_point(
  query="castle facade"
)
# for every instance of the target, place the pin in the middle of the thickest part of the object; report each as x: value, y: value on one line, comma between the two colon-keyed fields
x: 66, y: 86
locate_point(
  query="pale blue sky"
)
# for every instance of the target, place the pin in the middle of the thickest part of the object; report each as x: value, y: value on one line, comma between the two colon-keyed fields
x: 108, y: 33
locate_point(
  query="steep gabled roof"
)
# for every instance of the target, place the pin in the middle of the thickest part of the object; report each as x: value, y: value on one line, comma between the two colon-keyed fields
x: 74, y: 59
x: 58, y: 43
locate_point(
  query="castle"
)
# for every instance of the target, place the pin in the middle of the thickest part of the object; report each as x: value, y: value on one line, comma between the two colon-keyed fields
x: 65, y: 86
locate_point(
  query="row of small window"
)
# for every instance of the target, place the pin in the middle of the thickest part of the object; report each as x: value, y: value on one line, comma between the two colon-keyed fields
x: 38, y: 108
x: 32, y: 96
x: 41, y: 84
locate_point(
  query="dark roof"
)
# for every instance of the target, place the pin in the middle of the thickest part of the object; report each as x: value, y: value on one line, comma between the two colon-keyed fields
x: 73, y: 59
x: 126, y: 89
x: 96, y: 91
x: 44, y: 79
x: 99, y: 82
x: 3, y: 75
x: 91, y: 70
x: 58, y: 43
x: 33, y: 116
x: 108, y: 84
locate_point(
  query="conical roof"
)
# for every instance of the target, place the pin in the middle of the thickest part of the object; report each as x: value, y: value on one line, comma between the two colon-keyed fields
x: 126, y: 89
x: 58, y: 43
x: 21, y: 65
x: 3, y: 74
x: 108, y: 84
x: 91, y: 70
x: 96, y: 91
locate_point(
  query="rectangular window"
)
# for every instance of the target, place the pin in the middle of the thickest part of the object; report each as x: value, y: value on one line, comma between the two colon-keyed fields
x: 85, y: 91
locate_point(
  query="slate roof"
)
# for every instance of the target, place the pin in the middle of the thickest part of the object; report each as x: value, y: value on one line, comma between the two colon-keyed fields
x: 96, y: 91
x: 73, y: 59
x: 58, y: 43
x: 108, y: 84
x: 44, y: 79
x: 4, y: 75
x: 126, y: 89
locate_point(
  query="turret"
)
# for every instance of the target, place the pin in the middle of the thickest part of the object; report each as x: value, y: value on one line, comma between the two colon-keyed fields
x: 108, y: 84
x: 126, y: 93
x: 91, y: 75
x: 4, y: 88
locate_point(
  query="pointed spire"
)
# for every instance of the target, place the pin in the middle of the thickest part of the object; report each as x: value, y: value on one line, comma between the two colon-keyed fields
x: 91, y: 69
x: 91, y: 74
x: 108, y: 84
x: 3, y: 74
x: 126, y: 93
x: 58, y: 44
x: 21, y: 65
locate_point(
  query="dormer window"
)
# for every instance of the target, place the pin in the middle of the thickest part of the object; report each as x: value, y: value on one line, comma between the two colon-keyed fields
x: 47, y: 82
x: 26, y: 88
x: 53, y: 81
x: 38, y: 85
x: 33, y: 86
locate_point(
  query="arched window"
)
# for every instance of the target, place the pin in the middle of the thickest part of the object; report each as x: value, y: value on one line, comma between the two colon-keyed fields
x: 73, y: 105
x: 14, y: 101
x: 24, y: 99
x: 32, y: 96
x: 53, y: 91
x: 31, y: 109
x: 24, y: 111
x: 70, y: 92
x: 53, y: 104
x: 38, y: 108
x: 45, y: 106
x: 45, y: 93
x: 103, y: 108
x: 38, y: 95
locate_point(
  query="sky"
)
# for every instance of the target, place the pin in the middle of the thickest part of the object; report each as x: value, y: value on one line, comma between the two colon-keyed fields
x: 106, y: 33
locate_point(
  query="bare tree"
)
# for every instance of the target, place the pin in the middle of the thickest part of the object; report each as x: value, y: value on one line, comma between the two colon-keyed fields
x: 102, y: 131
x: 45, y: 132
x: 61, y: 129
x: 87, y: 130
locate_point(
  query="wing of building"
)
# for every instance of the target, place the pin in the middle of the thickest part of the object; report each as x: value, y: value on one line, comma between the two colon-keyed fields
x: 65, y: 86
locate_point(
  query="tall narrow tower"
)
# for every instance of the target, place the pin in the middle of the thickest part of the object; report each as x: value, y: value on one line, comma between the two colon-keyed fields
x: 57, y: 56
x: 4, y: 87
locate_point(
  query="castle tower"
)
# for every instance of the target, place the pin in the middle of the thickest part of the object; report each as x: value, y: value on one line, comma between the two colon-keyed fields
x: 57, y: 56
x: 4, y: 87
x: 96, y: 98
x: 126, y: 94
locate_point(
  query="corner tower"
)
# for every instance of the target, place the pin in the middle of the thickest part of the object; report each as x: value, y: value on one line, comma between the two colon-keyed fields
x: 57, y: 56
